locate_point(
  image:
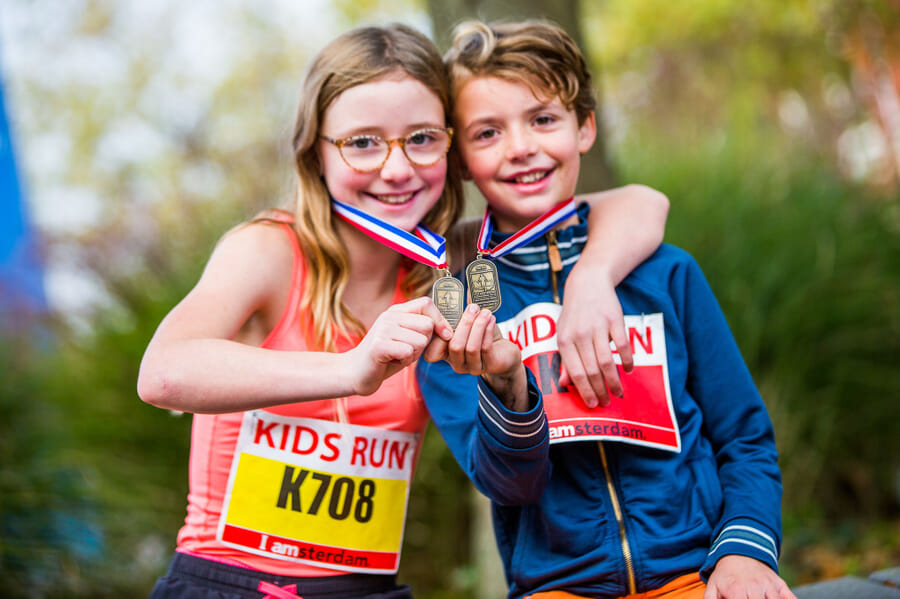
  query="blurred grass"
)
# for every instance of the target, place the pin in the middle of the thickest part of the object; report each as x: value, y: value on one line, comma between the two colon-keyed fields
x: 93, y: 482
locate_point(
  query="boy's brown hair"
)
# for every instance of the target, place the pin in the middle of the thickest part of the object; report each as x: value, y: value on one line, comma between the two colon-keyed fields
x: 537, y: 53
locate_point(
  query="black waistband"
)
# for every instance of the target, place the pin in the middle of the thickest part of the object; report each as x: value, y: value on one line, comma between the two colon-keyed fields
x: 344, y: 584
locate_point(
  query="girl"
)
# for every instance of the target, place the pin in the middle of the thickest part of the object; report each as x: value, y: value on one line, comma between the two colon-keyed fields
x: 304, y: 444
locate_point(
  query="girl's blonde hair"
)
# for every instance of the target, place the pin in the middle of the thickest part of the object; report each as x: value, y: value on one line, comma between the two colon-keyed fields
x: 537, y: 53
x: 356, y: 57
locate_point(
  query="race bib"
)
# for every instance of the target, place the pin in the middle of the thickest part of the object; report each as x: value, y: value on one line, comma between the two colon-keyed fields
x: 644, y: 417
x: 319, y: 492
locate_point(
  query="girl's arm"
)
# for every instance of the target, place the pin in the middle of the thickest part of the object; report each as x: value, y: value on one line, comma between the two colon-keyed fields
x: 626, y: 226
x: 204, y: 356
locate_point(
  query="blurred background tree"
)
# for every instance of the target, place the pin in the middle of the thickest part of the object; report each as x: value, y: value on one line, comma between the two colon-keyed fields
x: 147, y: 129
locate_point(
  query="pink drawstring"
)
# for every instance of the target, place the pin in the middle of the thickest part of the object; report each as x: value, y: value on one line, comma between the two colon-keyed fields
x: 276, y: 592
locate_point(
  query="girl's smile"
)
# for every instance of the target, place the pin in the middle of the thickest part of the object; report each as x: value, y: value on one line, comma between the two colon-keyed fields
x: 399, y: 192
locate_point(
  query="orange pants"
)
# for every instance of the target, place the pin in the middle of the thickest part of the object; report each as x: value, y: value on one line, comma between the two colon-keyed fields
x: 688, y: 586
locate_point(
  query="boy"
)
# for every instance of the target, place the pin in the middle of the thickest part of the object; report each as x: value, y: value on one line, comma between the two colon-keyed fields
x: 671, y: 490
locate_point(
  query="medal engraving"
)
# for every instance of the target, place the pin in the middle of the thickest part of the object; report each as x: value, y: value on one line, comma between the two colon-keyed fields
x: 484, y: 284
x: 447, y: 295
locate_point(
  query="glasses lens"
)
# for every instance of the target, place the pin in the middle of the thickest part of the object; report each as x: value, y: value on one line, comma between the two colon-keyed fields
x: 364, y: 152
x: 427, y: 146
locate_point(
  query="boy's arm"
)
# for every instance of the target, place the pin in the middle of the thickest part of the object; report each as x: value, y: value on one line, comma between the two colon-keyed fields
x: 736, y: 423
x: 505, y: 453
x: 626, y: 226
x: 477, y: 347
x: 494, y: 423
x: 738, y: 576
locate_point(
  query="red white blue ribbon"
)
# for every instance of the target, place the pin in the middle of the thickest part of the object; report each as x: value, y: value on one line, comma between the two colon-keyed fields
x: 424, y: 246
x: 539, y: 226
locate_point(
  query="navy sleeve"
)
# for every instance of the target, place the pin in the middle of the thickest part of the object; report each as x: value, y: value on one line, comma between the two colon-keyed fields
x: 737, y: 424
x: 504, y: 453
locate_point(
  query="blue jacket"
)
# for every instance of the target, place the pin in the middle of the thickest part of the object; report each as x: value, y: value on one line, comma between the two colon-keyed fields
x: 605, y: 519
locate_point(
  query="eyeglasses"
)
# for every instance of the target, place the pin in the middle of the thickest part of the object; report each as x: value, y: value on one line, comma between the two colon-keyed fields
x: 368, y: 153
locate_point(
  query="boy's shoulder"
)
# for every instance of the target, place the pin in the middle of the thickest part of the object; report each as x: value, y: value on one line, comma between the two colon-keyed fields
x: 658, y: 269
x: 667, y: 251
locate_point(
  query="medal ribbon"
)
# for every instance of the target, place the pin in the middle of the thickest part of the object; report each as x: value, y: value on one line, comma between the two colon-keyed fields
x: 559, y: 213
x: 425, y: 246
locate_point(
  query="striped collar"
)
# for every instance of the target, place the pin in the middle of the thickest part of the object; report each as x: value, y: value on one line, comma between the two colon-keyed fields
x: 531, y: 260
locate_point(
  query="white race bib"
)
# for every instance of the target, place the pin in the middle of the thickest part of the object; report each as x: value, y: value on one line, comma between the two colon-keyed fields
x: 319, y: 492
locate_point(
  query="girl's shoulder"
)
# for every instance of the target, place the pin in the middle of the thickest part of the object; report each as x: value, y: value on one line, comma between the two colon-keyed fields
x: 263, y: 251
x: 273, y: 215
x: 257, y: 266
x: 267, y: 236
x: 269, y: 230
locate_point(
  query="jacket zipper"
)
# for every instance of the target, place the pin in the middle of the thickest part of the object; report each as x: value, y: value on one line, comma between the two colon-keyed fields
x: 555, y: 268
x: 617, y: 508
x: 555, y: 264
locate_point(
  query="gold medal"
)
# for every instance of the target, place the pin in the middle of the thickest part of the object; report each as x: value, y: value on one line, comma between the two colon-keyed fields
x: 484, y: 284
x: 482, y: 275
x: 447, y: 295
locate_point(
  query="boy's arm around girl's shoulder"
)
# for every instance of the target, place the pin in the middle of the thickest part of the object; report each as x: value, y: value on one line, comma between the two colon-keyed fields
x: 627, y: 224
x: 505, y: 453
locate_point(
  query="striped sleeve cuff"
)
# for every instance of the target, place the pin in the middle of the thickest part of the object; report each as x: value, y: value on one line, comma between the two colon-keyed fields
x: 516, y: 430
x: 743, y: 536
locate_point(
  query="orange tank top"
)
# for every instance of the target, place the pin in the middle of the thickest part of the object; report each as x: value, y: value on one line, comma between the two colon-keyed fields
x: 315, y: 488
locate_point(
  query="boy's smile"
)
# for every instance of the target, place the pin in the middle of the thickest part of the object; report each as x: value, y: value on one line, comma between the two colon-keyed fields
x: 523, y: 153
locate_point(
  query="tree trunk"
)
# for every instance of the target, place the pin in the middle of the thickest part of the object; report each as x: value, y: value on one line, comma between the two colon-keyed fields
x: 596, y: 172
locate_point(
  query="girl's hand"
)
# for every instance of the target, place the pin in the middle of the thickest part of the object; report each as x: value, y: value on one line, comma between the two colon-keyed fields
x: 396, y: 339
x: 592, y: 317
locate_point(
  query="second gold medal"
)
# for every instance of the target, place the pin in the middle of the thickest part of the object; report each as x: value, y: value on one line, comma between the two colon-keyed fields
x: 484, y: 284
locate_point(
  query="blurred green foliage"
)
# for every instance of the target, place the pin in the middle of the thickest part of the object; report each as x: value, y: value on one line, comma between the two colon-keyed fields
x: 803, y: 261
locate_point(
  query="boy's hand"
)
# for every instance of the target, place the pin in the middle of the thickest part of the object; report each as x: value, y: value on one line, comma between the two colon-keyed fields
x: 477, y: 347
x: 591, y: 317
x: 395, y: 340
x: 736, y: 576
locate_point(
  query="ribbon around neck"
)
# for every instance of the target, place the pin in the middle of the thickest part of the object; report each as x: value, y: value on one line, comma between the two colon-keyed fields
x: 559, y: 213
x: 423, y: 245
